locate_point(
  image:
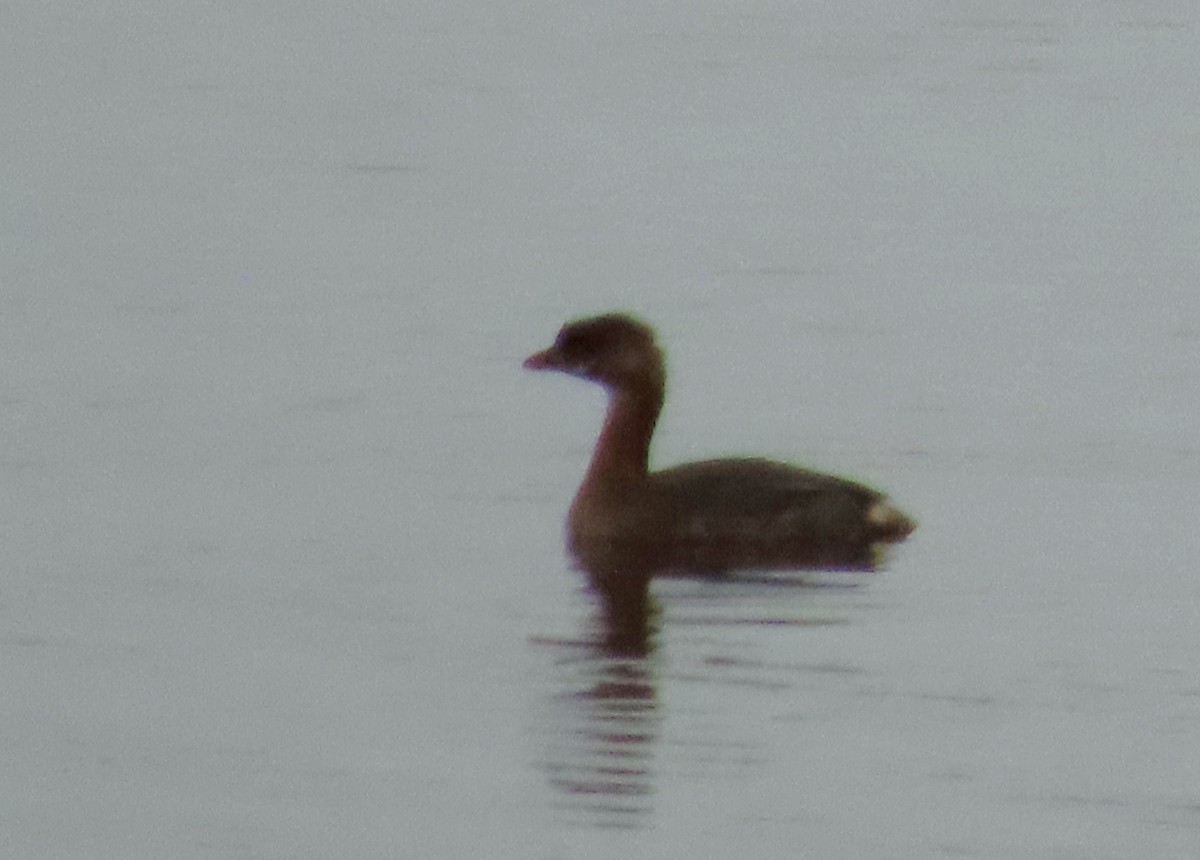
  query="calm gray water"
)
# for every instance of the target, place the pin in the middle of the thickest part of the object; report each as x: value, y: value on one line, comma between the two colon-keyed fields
x: 282, y: 571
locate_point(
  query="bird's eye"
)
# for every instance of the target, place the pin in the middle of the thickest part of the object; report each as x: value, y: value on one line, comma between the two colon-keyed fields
x: 569, y: 341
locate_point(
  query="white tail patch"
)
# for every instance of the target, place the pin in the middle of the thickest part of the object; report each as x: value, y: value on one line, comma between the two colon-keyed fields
x: 892, y: 523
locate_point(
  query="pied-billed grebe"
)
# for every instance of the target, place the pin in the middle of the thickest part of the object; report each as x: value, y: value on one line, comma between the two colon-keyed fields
x: 711, y: 517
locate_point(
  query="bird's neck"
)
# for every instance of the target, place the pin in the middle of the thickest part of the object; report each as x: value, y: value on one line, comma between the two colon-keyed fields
x: 623, y: 450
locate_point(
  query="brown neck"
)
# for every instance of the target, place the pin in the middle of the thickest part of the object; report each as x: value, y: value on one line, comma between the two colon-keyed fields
x: 623, y: 450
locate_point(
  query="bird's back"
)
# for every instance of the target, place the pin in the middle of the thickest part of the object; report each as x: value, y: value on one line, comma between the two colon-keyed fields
x: 721, y: 515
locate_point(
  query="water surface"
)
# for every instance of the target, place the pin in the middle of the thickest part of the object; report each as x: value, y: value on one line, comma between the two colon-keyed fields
x: 282, y: 562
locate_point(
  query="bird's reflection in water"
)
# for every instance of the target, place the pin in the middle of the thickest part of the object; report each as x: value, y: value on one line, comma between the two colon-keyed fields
x: 601, y: 729
x: 604, y: 724
x: 626, y: 616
